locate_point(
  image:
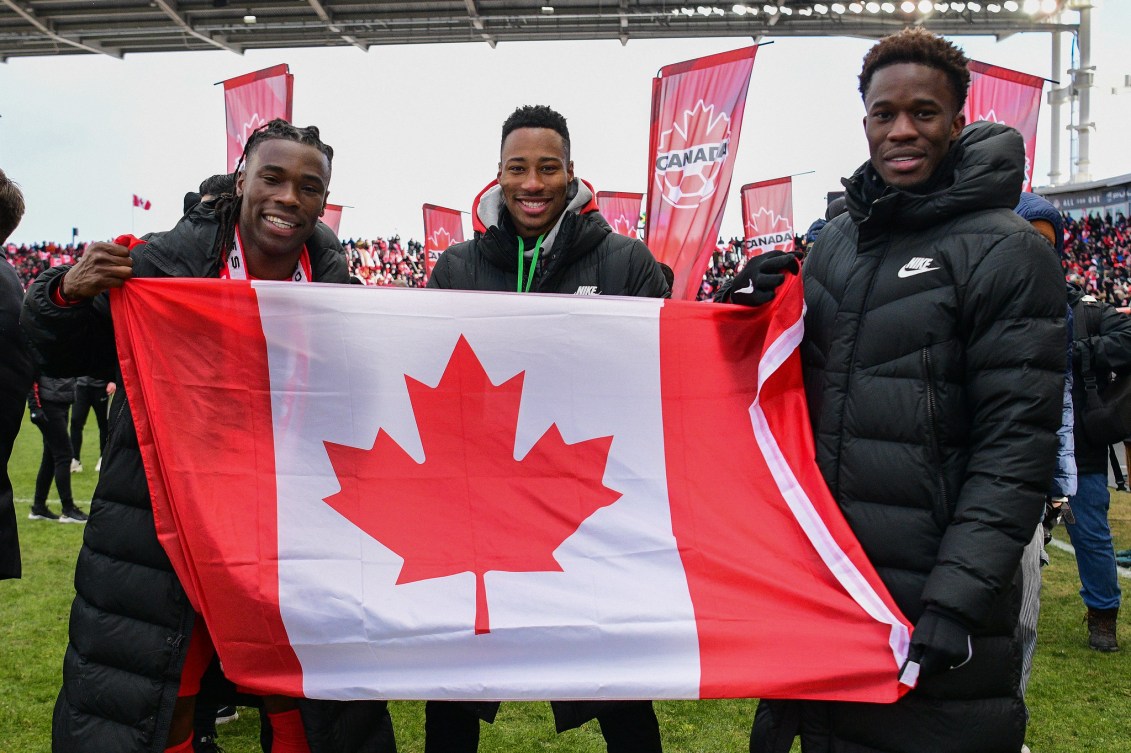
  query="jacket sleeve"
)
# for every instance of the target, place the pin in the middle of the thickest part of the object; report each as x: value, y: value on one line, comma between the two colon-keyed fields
x: 68, y: 340
x: 1112, y: 349
x: 1012, y: 322
x: 645, y: 277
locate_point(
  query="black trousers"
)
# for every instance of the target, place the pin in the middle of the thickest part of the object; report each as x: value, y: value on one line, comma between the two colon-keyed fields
x: 56, y: 460
x: 628, y: 727
x: 87, y: 397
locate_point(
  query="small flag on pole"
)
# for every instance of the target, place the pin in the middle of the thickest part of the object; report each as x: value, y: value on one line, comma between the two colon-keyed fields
x: 143, y: 203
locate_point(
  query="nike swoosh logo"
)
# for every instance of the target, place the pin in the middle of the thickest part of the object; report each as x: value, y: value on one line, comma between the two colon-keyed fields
x: 912, y: 272
x: 748, y: 289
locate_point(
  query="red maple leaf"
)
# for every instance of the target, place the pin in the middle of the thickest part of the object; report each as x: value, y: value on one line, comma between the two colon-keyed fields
x: 471, y: 506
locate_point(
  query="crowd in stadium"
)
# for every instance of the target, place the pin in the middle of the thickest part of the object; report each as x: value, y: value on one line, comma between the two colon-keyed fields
x: 1097, y: 251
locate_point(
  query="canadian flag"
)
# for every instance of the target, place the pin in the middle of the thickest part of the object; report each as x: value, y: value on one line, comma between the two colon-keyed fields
x: 471, y: 495
x: 143, y: 203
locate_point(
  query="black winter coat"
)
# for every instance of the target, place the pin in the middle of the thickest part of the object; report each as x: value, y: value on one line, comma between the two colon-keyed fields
x: 1110, y: 352
x: 934, y: 366
x: 15, y: 379
x: 131, y: 621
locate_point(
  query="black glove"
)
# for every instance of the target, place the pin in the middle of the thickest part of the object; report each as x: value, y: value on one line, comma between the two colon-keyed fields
x: 38, y: 417
x: 940, y: 642
x: 758, y: 281
x: 1056, y: 509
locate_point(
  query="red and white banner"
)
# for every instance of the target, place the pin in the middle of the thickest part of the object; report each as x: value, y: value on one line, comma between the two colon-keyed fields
x: 697, y: 111
x: 767, y: 216
x: 332, y: 216
x: 255, y: 99
x: 498, y: 496
x: 443, y: 227
x: 621, y: 211
x: 142, y: 203
x: 1000, y: 95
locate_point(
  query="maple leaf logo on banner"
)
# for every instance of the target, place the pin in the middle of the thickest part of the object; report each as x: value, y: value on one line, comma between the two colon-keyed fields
x: 624, y: 226
x: 768, y: 231
x: 992, y: 117
x: 691, y: 156
x: 439, y: 240
x: 249, y: 127
x: 471, y: 506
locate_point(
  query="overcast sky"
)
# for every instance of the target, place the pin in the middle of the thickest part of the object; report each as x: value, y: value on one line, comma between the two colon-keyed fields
x: 416, y: 124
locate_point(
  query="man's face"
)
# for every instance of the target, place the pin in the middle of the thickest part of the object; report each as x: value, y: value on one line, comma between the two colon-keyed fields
x: 284, y: 188
x: 912, y: 117
x: 534, y: 174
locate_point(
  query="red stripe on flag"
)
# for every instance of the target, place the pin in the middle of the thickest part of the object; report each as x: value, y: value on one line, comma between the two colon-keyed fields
x: 771, y: 614
x: 225, y: 461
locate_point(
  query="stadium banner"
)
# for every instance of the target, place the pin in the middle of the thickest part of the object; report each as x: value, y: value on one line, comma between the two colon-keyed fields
x: 443, y: 227
x: 697, y: 109
x: 422, y: 508
x: 1001, y: 95
x: 332, y: 216
x: 767, y: 216
x: 621, y: 210
x: 255, y: 99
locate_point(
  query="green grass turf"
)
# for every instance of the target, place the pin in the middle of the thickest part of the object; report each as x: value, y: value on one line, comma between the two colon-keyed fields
x: 1080, y: 700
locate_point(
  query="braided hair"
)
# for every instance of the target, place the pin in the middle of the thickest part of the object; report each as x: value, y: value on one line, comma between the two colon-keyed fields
x: 228, y: 204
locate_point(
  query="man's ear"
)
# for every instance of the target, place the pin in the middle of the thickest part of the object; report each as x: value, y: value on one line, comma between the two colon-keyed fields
x: 239, y: 182
x: 957, y: 126
x: 499, y: 172
x: 569, y: 170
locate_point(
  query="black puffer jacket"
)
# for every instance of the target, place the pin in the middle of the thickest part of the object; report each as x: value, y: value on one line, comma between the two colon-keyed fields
x: 934, y: 366
x: 15, y: 379
x: 581, y: 255
x: 131, y: 621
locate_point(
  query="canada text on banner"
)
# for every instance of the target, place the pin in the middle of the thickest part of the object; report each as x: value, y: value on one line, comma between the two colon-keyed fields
x: 767, y: 216
x: 621, y: 210
x: 697, y: 111
x: 1000, y: 95
x: 395, y: 493
x: 443, y: 227
x: 255, y: 99
x: 332, y: 216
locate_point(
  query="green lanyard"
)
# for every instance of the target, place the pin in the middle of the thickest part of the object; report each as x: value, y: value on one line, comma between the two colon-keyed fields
x: 522, y: 260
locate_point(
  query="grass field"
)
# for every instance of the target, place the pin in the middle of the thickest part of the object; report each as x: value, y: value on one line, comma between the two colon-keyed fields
x: 1080, y: 700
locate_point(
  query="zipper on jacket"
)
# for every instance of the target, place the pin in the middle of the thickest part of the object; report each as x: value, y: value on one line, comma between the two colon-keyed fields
x: 943, y: 515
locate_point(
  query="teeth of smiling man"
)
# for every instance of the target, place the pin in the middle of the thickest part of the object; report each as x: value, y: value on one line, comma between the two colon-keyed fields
x: 279, y: 223
x: 534, y: 204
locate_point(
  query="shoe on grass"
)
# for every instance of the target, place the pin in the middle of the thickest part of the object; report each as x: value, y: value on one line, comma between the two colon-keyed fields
x: 1101, y: 630
x: 76, y: 466
x: 225, y: 714
x: 73, y: 515
x: 40, y: 512
x: 98, y: 465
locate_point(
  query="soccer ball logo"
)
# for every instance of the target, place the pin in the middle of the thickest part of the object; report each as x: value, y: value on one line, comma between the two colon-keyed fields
x: 767, y: 231
x: 691, y: 156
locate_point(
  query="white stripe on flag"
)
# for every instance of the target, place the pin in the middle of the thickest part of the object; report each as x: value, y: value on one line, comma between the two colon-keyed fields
x: 794, y: 494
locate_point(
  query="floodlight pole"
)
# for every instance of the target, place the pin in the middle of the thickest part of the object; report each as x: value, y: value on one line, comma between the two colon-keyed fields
x: 1056, y: 97
x: 1082, y: 81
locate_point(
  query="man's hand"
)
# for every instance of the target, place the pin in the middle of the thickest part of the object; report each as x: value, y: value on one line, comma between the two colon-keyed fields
x: 758, y: 281
x: 102, y: 266
x: 940, y: 642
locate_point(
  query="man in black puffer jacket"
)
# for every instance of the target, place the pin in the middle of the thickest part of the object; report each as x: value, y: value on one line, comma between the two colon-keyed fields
x: 934, y: 367
x: 537, y: 229
x: 126, y: 685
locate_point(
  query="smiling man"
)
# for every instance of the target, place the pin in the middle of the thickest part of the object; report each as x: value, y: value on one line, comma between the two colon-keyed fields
x: 537, y: 229
x: 137, y: 650
x: 933, y: 360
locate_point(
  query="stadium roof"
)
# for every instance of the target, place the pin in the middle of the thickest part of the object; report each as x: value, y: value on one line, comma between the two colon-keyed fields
x: 121, y: 27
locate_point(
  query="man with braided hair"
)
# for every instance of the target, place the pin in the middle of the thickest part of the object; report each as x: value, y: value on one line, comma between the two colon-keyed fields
x: 933, y: 360
x: 137, y: 650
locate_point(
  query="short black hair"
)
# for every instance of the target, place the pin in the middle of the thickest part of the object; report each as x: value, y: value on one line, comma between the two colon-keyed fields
x: 218, y: 184
x: 917, y: 45
x: 11, y: 206
x: 536, y: 116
